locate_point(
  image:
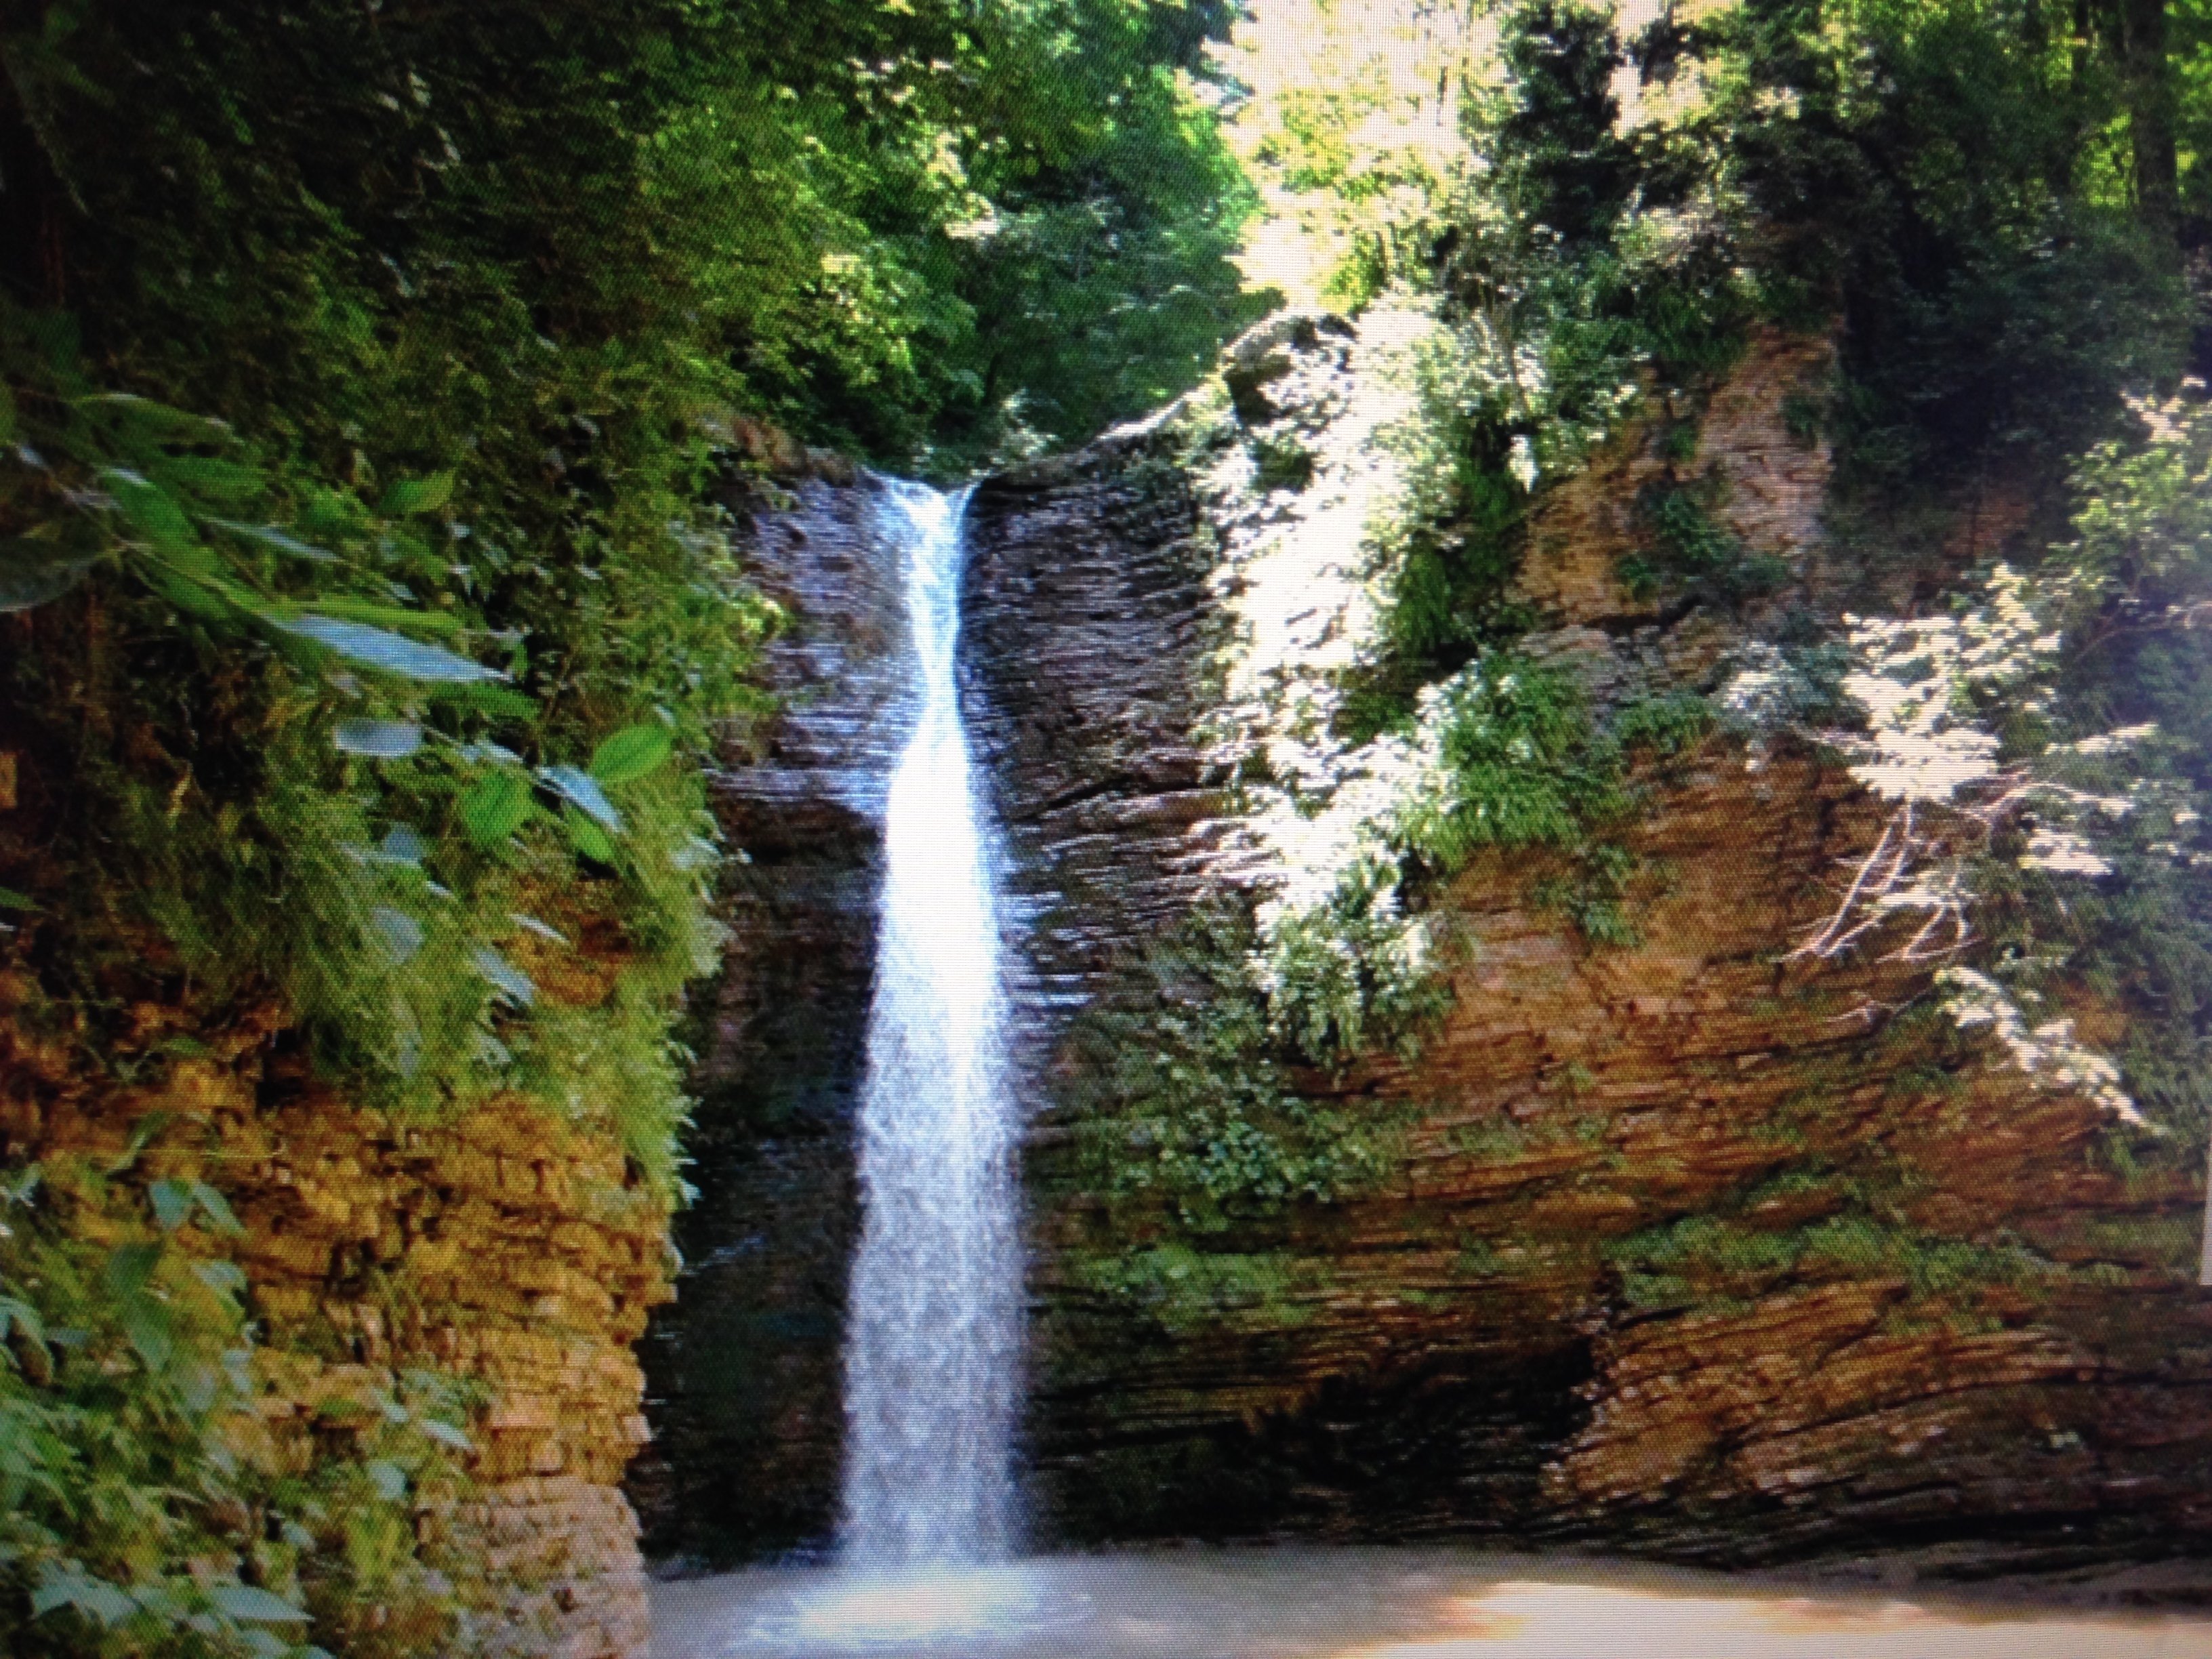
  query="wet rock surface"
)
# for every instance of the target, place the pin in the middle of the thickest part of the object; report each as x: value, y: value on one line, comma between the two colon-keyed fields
x: 1684, y: 1246
x: 742, y: 1377
x: 1985, y: 1349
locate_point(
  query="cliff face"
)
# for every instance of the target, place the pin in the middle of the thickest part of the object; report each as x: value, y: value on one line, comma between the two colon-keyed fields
x: 1685, y: 1244
x: 743, y: 1367
x: 509, y: 1256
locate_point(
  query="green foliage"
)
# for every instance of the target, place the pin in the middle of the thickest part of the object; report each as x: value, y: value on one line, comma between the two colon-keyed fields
x: 2138, y: 571
x: 1941, y: 175
x: 1503, y: 755
x: 1700, y: 1258
x: 1192, y: 1105
x: 366, y: 377
x: 1188, y: 1292
x: 900, y: 228
x: 138, y: 1519
x: 1690, y: 555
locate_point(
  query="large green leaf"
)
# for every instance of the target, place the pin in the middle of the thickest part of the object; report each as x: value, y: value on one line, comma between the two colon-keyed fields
x: 376, y: 647
x: 424, y: 495
x: 494, y: 807
x: 583, y: 789
x: 630, y: 753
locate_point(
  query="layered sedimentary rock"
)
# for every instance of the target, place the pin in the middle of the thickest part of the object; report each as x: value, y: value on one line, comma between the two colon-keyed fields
x: 510, y: 1257
x: 743, y: 1367
x: 1690, y: 1245
x: 1687, y: 1244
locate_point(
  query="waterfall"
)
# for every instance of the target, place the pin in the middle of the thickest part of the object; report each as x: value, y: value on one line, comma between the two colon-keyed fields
x: 932, y: 1343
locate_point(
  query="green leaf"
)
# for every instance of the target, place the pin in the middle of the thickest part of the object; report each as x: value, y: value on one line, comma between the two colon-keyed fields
x: 269, y: 536
x: 446, y: 1434
x: 68, y: 1586
x: 173, y: 1203
x: 530, y: 924
x: 152, y: 511
x: 504, y: 976
x: 584, y: 790
x: 378, y: 739
x: 7, y: 416
x: 399, y: 933
x: 23, y: 1319
x: 496, y: 807
x: 255, y: 1605
x: 212, y: 479
x: 588, y: 837
x: 226, y: 1278
x: 375, y: 649
x: 491, y: 700
x: 189, y: 597
x: 129, y: 1267
x: 12, y: 900
x: 424, y: 495
x: 630, y: 753
x: 151, y: 1331
x: 217, y: 1209
x: 171, y: 422
x: 388, y: 615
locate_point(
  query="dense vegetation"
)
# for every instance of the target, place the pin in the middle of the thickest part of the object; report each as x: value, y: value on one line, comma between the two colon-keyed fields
x: 366, y: 377
x: 1985, y: 207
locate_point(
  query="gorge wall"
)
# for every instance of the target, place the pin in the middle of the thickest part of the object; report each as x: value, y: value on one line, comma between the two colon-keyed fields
x: 742, y: 1368
x: 508, y: 1257
x: 1683, y: 1245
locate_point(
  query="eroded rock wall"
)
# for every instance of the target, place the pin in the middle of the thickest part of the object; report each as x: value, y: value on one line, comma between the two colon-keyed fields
x: 1685, y: 1245
x: 501, y: 1252
x: 743, y: 1367
x: 1689, y: 1245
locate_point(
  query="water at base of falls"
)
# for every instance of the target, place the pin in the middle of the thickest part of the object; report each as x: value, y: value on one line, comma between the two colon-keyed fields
x: 1404, y: 1603
x: 933, y: 1339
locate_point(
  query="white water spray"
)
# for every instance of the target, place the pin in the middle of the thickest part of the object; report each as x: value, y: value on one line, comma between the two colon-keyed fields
x: 932, y: 1341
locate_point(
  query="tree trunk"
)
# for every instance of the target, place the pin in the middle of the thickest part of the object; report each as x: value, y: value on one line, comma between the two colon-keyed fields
x: 2147, y: 80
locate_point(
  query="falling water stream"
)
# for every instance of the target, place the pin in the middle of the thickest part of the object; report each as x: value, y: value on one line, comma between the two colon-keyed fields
x: 926, y: 1565
x: 933, y: 1344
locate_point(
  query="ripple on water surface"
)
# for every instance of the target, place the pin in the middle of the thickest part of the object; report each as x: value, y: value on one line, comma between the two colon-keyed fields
x: 1364, y: 1604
